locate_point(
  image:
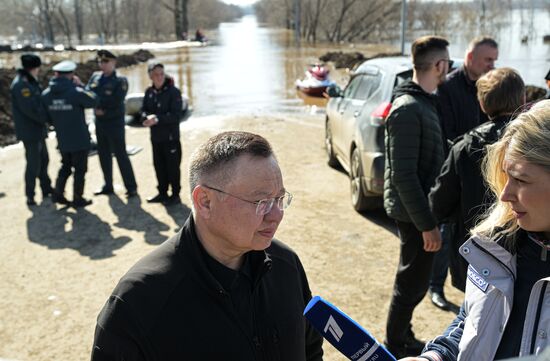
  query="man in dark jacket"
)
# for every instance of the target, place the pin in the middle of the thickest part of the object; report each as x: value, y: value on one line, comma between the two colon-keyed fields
x: 459, y: 190
x: 30, y: 127
x: 111, y: 90
x: 223, y: 288
x: 64, y: 102
x: 460, y: 112
x: 161, y: 111
x: 414, y: 154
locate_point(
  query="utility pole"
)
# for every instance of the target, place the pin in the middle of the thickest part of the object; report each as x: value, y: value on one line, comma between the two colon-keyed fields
x: 403, y: 24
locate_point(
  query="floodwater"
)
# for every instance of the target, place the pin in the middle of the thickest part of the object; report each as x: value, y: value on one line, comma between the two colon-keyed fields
x: 250, y: 68
x: 247, y: 68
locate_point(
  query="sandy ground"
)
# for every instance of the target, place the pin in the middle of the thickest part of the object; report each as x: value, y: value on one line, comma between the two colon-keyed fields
x: 59, y: 265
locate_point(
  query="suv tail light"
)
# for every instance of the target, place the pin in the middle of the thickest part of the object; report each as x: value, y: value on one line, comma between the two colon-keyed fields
x: 378, y: 116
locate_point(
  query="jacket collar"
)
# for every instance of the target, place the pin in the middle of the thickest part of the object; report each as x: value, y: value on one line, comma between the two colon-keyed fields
x: 192, y: 254
x: 464, y: 74
x: 22, y: 72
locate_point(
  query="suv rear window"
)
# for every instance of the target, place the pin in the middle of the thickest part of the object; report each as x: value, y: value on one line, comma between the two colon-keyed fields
x: 403, y: 77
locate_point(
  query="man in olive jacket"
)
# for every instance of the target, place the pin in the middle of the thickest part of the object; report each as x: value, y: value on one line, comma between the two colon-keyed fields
x: 30, y: 127
x: 414, y: 155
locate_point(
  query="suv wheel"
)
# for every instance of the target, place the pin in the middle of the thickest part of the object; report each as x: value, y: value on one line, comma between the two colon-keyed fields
x: 358, y: 199
x: 332, y: 161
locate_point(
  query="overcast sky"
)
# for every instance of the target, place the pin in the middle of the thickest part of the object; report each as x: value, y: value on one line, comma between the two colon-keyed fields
x: 240, y: 2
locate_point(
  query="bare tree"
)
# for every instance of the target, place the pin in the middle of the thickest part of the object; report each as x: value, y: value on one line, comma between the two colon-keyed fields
x: 46, y: 13
x: 181, y: 22
x: 63, y: 22
x: 78, y: 20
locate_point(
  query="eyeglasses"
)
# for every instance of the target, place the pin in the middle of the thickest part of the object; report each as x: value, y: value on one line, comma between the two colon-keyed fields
x: 263, y: 206
x: 103, y: 60
x: 449, y: 61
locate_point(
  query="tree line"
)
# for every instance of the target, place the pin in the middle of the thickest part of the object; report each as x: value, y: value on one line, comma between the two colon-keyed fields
x: 72, y: 22
x: 340, y: 21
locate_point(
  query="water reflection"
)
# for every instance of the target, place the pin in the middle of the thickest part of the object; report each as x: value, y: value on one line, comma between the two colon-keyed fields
x: 250, y: 68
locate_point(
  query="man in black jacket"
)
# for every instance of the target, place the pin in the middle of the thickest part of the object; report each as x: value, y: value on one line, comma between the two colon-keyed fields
x: 30, y: 127
x: 460, y: 112
x: 221, y: 289
x: 460, y: 190
x: 161, y: 111
x: 414, y: 155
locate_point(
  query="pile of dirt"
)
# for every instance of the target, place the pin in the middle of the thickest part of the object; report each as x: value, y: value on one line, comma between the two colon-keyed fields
x: 84, y: 71
x: 350, y: 60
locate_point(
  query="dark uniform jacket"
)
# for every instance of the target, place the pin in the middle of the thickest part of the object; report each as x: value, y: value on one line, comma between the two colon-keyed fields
x: 460, y: 110
x: 111, y: 91
x: 25, y: 101
x: 64, y: 104
x: 414, y: 155
x: 169, y: 306
x: 460, y: 194
x: 166, y: 104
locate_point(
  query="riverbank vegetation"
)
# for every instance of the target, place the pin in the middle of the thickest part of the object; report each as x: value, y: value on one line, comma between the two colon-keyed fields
x: 342, y: 21
x: 72, y: 22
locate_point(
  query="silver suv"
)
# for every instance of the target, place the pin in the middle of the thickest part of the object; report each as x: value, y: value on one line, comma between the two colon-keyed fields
x: 354, y: 128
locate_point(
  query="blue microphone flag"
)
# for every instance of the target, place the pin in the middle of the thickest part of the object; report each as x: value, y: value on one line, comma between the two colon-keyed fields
x: 346, y: 335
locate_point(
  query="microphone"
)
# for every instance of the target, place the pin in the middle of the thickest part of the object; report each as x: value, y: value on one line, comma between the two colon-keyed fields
x: 346, y: 335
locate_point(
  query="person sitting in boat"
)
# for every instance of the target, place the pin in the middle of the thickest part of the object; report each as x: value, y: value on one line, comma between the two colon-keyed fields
x: 199, y: 36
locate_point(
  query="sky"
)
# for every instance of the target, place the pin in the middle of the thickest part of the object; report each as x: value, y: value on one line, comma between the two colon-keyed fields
x: 240, y: 2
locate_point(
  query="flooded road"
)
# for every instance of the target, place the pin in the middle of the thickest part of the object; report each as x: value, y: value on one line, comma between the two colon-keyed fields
x: 248, y: 68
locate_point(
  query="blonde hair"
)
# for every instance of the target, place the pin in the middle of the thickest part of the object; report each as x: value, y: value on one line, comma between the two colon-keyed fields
x: 526, y: 138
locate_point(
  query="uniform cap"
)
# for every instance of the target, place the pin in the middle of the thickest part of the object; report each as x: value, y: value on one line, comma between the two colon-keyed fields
x: 30, y: 61
x: 547, y: 77
x: 66, y: 66
x: 105, y: 55
x: 152, y: 66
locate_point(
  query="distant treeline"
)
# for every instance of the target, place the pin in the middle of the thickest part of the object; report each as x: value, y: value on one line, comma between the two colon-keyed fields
x: 72, y: 22
x: 380, y: 20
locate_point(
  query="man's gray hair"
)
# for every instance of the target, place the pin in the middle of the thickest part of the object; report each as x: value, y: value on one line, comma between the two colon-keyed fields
x: 482, y: 40
x: 212, y: 160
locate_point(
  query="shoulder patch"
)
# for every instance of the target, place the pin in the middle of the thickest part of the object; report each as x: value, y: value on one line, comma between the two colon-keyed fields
x: 124, y: 84
x: 477, y: 279
x: 26, y: 92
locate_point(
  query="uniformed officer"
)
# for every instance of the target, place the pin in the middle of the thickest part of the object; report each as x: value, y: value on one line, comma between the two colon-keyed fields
x: 109, y: 121
x: 30, y: 127
x: 161, y: 111
x: 64, y: 101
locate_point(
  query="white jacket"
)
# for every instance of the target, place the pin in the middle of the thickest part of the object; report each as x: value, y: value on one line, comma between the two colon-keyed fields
x: 477, y: 331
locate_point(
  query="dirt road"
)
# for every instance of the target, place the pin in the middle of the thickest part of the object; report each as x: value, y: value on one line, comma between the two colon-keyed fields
x: 59, y: 265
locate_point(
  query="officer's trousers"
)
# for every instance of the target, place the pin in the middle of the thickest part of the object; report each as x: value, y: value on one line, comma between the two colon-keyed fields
x: 77, y: 161
x: 411, y: 283
x: 167, y: 159
x: 109, y: 141
x: 36, y: 155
